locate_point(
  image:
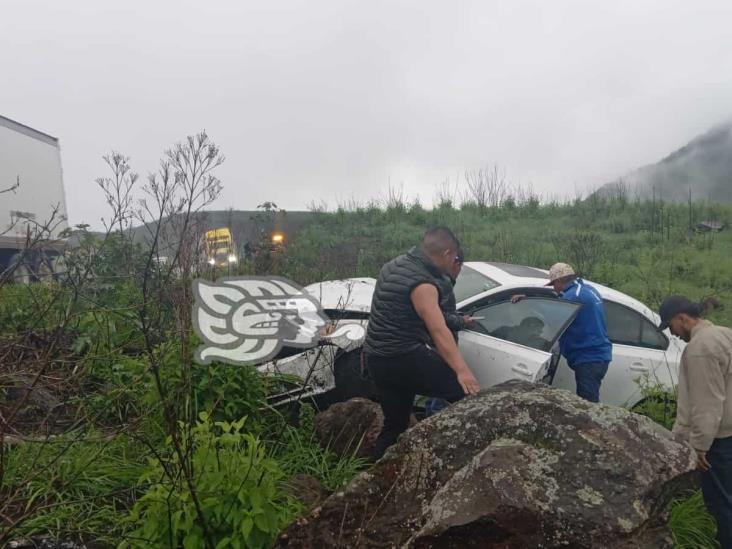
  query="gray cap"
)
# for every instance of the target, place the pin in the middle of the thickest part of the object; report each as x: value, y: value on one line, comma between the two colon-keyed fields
x: 675, y: 305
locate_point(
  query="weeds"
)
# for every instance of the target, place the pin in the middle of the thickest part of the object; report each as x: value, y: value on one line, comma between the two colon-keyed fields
x: 691, y: 524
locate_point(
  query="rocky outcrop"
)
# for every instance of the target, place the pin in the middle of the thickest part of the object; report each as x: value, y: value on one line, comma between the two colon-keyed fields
x: 351, y: 426
x: 308, y: 490
x: 519, y: 465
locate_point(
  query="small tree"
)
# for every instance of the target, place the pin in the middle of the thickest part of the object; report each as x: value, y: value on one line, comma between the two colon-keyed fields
x: 583, y: 250
x: 487, y: 187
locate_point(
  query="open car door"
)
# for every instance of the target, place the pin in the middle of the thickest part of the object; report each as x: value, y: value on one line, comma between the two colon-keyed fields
x: 515, y: 340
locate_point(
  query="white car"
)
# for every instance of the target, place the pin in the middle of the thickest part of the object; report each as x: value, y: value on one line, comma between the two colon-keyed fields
x: 509, y: 341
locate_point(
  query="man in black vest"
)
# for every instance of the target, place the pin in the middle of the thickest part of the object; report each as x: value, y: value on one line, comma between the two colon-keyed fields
x: 408, y: 348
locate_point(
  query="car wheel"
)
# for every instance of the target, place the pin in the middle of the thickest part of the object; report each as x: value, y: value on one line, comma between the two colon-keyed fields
x: 661, y: 408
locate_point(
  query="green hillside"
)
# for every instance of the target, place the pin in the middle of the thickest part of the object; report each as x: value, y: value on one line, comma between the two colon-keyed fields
x: 641, y: 248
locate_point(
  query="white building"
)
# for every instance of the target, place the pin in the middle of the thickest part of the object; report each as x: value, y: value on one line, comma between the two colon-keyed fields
x: 34, y: 159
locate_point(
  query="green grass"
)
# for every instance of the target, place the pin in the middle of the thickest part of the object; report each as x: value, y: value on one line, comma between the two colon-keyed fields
x: 76, y: 487
x: 691, y: 525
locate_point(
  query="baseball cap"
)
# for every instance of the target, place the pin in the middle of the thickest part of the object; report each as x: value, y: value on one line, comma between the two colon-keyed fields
x: 559, y: 270
x: 675, y: 305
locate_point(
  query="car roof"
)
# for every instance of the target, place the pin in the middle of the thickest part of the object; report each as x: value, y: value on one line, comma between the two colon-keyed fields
x: 505, y: 275
x: 355, y: 294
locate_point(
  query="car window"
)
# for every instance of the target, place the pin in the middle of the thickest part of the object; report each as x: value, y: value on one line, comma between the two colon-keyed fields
x: 533, y: 322
x: 470, y: 282
x: 628, y: 327
x: 651, y: 337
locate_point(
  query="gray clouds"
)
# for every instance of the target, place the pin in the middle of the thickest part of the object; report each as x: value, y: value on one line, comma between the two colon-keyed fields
x: 333, y: 99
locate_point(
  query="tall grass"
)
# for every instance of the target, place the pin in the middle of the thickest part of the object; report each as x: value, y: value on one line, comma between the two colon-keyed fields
x: 692, y: 526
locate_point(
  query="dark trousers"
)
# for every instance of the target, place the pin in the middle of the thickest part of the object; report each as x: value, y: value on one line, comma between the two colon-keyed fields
x: 399, y: 378
x: 717, y: 488
x: 589, y: 378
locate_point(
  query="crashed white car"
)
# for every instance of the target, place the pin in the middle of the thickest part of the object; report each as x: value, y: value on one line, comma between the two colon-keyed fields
x: 510, y: 341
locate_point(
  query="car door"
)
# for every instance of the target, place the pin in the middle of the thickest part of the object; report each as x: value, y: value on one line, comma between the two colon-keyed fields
x: 514, y: 340
x: 639, y: 351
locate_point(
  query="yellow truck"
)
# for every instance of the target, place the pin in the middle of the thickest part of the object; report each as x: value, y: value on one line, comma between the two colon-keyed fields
x: 219, y: 247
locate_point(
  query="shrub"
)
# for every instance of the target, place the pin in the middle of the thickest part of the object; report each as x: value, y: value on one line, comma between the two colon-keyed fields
x: 236, y: 484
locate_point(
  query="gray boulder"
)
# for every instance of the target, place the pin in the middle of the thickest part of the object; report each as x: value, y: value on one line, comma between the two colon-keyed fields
x: 350, y: 427
x: 519, y: 465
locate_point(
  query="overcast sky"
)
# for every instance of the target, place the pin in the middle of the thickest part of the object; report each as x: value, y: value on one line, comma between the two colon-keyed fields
x: 334, y: 99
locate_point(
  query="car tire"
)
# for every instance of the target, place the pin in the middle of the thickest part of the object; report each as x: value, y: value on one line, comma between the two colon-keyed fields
x: 659, y: 408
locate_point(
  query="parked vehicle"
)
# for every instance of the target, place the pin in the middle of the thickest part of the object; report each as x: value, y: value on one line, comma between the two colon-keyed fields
x: 510, y: 341
x: 32, y: 190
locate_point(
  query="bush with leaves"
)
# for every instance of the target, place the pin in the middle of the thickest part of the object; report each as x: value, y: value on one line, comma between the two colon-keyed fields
x: 238, y: 493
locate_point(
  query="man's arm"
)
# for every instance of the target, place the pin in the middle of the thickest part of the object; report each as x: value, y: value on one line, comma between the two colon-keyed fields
x: 424, y: 298
x: 707, y: 393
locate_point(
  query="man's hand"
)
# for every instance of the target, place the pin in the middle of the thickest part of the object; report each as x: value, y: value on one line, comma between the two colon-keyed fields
x: 516, y: 298
x: 467, y: 381
x: 469, y: 321
x: 701, y: 461
x: 328, y: 329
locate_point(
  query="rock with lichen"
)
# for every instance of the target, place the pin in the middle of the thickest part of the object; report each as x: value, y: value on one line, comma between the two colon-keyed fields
x: 350, y: 428
x: 519, y: 465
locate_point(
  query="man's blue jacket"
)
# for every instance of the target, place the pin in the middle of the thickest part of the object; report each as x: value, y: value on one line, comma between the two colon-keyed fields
x: 586, y: 340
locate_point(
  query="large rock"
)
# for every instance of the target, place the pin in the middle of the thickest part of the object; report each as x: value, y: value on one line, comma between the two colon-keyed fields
x: 351, y: 426
x: 520, y: 465
x: 308, y: 490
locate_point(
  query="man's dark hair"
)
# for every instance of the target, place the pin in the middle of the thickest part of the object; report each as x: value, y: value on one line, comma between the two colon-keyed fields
x: 439, y: 239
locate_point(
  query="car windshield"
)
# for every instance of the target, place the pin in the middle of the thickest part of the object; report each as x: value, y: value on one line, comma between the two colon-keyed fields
x: 470, y: 283
x: 533, y: 322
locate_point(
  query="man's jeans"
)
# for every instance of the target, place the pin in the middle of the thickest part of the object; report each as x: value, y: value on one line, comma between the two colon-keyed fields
x: 399, y: 378
x: 434, y: 406
x: 717, y: 488
x: 588, y: 378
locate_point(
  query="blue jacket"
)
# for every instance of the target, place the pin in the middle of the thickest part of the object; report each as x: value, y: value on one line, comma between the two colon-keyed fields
x: 586, y: 340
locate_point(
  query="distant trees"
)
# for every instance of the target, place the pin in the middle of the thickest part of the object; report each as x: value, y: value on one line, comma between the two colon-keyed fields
x: 486, y: 187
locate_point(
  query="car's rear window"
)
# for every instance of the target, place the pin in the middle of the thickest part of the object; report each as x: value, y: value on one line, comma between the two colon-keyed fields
x: 471, y: 282
x: 520, y: 270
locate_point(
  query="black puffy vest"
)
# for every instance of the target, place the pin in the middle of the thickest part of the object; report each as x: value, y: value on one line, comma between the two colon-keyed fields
x: 394, y: 326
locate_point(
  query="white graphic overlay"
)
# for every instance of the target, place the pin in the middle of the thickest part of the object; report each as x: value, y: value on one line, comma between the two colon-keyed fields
x: 245, y: 320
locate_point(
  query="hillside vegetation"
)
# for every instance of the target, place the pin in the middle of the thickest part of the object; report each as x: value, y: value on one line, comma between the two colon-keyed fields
x: 642, y: 248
